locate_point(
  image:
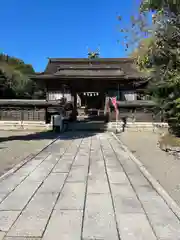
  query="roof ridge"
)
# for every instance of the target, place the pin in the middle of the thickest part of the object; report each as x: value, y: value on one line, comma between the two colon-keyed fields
x: 127, y: 59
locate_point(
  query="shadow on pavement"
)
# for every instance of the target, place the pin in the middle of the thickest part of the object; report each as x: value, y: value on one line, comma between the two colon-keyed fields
x: 48, y: 135
x: 77, y: 134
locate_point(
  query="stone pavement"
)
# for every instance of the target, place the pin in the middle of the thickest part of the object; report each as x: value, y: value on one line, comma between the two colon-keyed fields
x: 82, y: 188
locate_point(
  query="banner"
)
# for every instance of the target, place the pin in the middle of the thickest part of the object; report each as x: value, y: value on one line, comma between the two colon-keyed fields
x: 114, y: 102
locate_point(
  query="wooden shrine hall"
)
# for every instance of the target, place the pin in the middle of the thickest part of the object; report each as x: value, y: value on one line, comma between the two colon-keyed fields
x: 86, y: 83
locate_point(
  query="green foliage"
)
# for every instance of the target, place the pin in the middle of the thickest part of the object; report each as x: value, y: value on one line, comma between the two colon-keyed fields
x: 15, y: 81
x: 172, y: 6
x: 161, y: 55
x: 166, y: 60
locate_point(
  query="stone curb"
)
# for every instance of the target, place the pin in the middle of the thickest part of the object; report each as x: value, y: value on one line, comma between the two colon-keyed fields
x: 160, y: 190
x: 24, y: 161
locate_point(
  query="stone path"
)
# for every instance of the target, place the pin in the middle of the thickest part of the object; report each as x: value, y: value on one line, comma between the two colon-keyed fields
x: 83, y: 188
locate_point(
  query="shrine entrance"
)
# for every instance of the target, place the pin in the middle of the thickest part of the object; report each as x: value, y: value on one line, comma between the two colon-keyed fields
x: 91, y: 100
x: 90, y: 104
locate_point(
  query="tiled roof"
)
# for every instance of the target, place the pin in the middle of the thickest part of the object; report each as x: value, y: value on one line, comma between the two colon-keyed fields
x: 115, y: 67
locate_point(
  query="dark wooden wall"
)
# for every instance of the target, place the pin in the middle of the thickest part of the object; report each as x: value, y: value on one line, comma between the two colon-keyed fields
x: 22, y: 114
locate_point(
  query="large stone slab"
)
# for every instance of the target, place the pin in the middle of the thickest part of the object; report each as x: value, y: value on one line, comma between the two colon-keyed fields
x: 137, y: 179
x: 21, y: 238
x: 125, y: 190
x: 99, y: 221
x: 2, y: 234
x: 17, y: 199
x: 110, y: 160
x: 2, y: 196
x: 118, y: 177
x: 97, y: 179
x: 34, y: 218
x: 64, y: 224
x: 47, y: 165
x: 114, y: 168
x: 98, y: 184
x: 166, y: 225
x: 7, y: 218
x: 63, y: 166
x: 53, y: 158
x: 81, y: 160
x: 38, y: 157
x: 38, y: 175
x: 68, y: 157
x: 127, y: 205
x: 10, y: 183
x: 153, y: 203
x: 53, y: 183
x: 130, y: 167
x: 29, y: 167
x: 163, y: 220
x: 96, y: 153
x: 41, y: 172
x: 78, y: 174
x: 96, y: 168
x: 135, y: 227
x: 72, y: 196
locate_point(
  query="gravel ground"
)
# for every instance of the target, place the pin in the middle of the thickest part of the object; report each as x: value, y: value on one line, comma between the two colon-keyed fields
x: 164, y: 167
x: 15, y: 146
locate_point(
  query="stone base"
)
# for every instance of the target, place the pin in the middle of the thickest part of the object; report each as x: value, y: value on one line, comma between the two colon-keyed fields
x: 24, y: 125
x: 111, y: 126
x: 138, y: 126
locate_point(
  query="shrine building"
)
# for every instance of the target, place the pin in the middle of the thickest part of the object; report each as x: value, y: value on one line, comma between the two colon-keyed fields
x: 87, y: 83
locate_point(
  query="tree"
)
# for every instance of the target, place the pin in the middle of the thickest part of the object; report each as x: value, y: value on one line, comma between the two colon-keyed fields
x: 14, y: 79
x: 141, y: 52
x: 164, y: 58
x: 162, y: 55
x: 172, y: 6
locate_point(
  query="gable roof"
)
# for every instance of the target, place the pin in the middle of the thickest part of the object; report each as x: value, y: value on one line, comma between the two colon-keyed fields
x: 84, y: 67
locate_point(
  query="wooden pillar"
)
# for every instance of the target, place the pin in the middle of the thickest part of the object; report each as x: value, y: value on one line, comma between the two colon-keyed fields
x: 46, y: 90
x: 101, y: 101
x: 107, y: 109
x: 46, y: 116
x: 74, y: 113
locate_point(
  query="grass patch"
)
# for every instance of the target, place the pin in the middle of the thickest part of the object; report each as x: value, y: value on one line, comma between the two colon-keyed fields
x: 169, y: 140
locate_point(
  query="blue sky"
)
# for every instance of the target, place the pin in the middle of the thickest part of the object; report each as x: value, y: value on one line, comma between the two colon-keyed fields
x: 34, y: 30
